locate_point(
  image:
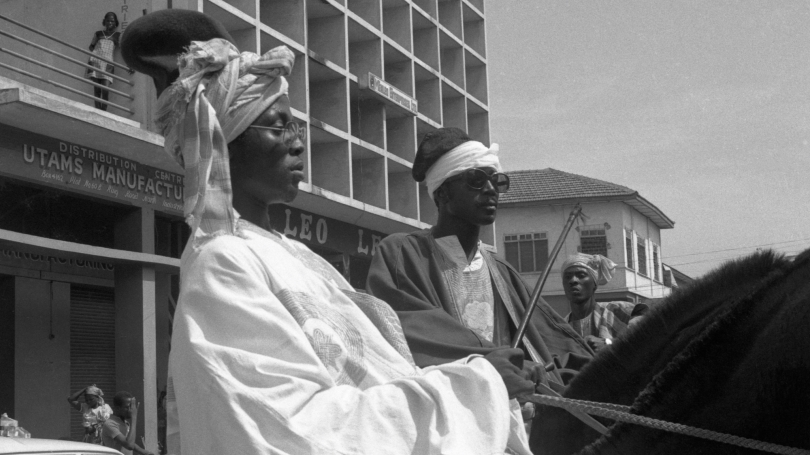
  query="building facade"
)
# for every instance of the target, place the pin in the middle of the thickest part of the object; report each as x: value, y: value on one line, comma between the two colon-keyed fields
x: 91, y: 226
x: 618, y: 224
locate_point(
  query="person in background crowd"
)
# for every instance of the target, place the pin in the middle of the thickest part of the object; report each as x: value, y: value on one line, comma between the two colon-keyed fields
x: 162, y: 422
x: 103, y: 45
x: 598, y: 322
x: 454, y: 296
x: 119, y: 430
x: 94, y: 412
x: 272, y: 349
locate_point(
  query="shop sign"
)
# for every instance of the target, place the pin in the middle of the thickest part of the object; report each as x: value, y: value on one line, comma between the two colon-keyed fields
x: 73, y: 167
x: 325, y: 232
x: 124, y: 11
x: 56, y: 264
x: 389, y: 94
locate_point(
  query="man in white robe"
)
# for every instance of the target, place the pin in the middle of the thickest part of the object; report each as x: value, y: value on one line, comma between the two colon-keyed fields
x: 277, y: 354
x: 272, y: 350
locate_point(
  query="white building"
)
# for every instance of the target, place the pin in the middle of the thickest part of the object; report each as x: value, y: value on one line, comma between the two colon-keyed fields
x: 620, y: 224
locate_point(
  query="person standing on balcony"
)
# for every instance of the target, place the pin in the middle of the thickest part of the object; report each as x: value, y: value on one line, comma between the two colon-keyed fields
x: 103, y: 44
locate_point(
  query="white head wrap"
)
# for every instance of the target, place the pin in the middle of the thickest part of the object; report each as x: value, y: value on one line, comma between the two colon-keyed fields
x: 218, y: 94
x: 599, y: 267
x: 466, y: 156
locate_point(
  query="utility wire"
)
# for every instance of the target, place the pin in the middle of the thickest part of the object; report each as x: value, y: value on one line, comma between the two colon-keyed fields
x: 706, y: 260
x: 725, y: 258
x: 740, y: 248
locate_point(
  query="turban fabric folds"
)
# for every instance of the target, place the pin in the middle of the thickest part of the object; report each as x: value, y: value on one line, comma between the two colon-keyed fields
x: 218, y: 94
x: 93, y: 390
x: 599, y: 267
x: 468, y: 155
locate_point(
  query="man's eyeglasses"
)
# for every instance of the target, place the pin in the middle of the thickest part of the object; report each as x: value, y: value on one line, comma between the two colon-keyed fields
x: 289, y: 132
x: 477, y: 179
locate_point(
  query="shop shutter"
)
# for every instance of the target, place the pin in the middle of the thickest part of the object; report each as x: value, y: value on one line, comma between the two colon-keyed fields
x: 92, y: 345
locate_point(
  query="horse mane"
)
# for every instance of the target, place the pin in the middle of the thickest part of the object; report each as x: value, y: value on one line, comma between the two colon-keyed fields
x: 745, y: 374
x: 636, y: 369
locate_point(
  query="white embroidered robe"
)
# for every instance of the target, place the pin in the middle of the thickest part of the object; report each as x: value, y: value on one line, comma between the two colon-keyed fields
x: 273, y: 352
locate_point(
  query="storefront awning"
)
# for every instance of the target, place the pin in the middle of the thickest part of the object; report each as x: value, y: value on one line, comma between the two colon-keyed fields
x: 32, y: 244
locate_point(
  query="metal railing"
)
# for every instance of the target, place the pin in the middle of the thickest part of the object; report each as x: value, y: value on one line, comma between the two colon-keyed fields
x: 65, y: 73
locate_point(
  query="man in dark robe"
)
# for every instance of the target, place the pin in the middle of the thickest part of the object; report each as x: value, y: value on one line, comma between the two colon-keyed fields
x: 452, y: 294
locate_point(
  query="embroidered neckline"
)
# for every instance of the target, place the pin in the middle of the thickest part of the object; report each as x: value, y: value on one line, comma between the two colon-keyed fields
x: 451, y: 247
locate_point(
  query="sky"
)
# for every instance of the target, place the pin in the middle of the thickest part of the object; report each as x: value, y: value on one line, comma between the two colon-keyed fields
x: 703, y: 107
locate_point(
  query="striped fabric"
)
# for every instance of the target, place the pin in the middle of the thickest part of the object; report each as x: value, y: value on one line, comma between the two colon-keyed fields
x: 218, y: 94
x: 608, y: 320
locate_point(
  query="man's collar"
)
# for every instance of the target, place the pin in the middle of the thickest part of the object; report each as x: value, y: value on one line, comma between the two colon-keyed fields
x: 452, y: 248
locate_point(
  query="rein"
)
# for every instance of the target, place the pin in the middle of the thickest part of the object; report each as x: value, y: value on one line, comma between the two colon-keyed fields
x: 622, y: 414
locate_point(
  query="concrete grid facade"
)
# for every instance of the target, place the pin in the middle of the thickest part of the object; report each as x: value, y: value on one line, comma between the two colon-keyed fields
x: 361, y: 145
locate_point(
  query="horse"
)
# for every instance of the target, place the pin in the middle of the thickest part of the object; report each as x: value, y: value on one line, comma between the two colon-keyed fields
x: 728, y: 353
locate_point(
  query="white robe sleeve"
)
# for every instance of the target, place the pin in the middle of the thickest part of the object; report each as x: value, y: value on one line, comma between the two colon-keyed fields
x: 247, y: 381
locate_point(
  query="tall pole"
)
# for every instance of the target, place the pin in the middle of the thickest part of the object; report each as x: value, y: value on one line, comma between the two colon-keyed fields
x: 538, y: 288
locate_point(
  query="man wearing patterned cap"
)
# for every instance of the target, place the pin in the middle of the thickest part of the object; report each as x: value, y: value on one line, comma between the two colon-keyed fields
x: 452, y: 294
x: 598, y: 322
x: 272, y: 350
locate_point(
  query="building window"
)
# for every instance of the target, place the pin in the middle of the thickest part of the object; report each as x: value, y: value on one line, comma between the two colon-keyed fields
x: 57, y: 214
x: 526, y: 252
x: 171, y: 236
x: 628, y: 246
x: 593, y: 240
x: 642, y: 256
x: 656, y: 263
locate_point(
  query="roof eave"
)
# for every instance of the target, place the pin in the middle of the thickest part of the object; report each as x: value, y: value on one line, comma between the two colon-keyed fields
x: 652, y: 212
x: 634, y: 200
x: 566, y: 201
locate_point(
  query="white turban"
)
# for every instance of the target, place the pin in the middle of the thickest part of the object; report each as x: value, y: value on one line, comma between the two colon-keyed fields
x: 599, y: 267
x: 466, y: 156
x: 218, y: 94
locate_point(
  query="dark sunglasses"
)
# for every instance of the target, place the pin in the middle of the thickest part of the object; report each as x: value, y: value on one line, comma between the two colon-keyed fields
x: 477, y: 179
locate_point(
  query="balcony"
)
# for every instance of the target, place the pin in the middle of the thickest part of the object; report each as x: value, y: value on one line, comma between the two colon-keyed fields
x: 43, y: 89
x: 43, y: 61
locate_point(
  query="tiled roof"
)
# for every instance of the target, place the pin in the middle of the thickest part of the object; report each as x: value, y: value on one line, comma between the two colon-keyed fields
x: 543, y: 185
x: 549, y: 184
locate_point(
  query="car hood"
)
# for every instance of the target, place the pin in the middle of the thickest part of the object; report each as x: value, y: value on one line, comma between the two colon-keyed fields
x: 19, y: 446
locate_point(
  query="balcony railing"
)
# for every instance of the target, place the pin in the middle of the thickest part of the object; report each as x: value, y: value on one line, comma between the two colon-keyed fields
x: 31, y: 45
